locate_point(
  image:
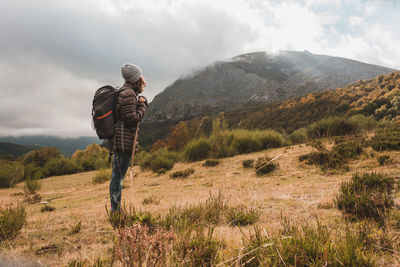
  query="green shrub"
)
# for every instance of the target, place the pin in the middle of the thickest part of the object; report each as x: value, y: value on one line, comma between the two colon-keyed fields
x: 271, y: 139
x: 61, y: 166
x: 182, y: 174
x: 264, y: 166
x: 245, y: 142
x: 143, y: 159
x: 196, y: 150
x: 182, y: 218
x: 31, y: 186
x: 384, y: 160
x: 242, y: 215
x: 248, y: 163
x: 160, y: 161
x: 306, y: 245
x: 368, y: 195
x: 325, y: 160
x: 299, y: 136
x: 89, y: 164
x: 211, y: 163
x: 128, y: 217
x: 47, y: 207
x: 362, y: 123
x: 102, y: 176
x: 11, y: 222
x: 198, y: 249
x: 10, y: 173
x: 387, y: 138
x: 347, y: 150
x: 331, y: 126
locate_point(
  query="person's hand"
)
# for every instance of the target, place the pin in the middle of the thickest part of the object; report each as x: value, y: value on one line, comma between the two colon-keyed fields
x: 142, y: 99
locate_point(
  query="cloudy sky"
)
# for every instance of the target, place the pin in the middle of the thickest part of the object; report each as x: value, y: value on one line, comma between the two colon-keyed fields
x: 55, y: 54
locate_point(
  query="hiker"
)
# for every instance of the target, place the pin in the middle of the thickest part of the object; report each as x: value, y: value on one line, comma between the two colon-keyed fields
x: 129, y: 111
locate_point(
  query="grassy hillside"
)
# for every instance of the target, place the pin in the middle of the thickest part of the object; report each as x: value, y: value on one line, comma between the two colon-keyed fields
x: 296, y: 191
x: 15, y: 150
x: 379, y: 98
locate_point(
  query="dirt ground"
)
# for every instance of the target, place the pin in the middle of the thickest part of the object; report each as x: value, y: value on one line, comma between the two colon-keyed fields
x: 297, y: 191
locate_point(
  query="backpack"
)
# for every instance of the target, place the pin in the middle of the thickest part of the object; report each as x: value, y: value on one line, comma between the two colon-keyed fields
x: 103, y: 111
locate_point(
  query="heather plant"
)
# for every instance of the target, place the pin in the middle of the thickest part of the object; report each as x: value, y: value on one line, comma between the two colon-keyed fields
x: 12, y: 219
x: 139, y: 245
x: 366, y: 196
x: 331, y: 126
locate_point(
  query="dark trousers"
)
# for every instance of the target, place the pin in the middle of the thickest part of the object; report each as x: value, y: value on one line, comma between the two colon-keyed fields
x: 120, y: 166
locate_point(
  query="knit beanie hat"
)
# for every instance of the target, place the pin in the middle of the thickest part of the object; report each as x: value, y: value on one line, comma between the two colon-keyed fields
x: 131, y: 72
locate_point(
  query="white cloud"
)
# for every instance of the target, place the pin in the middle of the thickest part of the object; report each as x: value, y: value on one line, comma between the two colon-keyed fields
x: 56, y: 53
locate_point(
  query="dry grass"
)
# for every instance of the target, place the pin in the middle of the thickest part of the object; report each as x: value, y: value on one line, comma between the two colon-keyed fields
x: 295, y: 190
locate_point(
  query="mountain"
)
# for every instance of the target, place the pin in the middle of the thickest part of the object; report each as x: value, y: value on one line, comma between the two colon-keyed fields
x: 256, y: 77
x: 66, y: 145
x: 15, y: 150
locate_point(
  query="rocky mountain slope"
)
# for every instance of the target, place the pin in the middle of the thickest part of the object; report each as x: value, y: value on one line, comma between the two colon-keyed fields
x: 258, y: 77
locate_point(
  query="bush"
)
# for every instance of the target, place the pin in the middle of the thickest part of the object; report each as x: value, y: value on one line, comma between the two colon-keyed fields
x: 196, y: 150
x: 61, y: 166
x: 325, y: 160
x: 182, y: 174
x: 248, y: 163
x: 102, y: 176
x: 271, y: 139
x: 299, y: 136
x: 31, y: 186
x: 347, y: 150
x: 198, y: 249
x: 331, y: 126
x: 387, y: 138
x: 11, y: 222
x: 10, y: 173
x: 47, y: 207
x: 245, y: 141
x: 160, y: 161
x: 369, y: 195
x: 211, y: 163
x: 362, y: 123
x: 242, y: 216
x: 264, y: 166
x: 384, y: 160
x: 182, y: 218
x: 305, y: 245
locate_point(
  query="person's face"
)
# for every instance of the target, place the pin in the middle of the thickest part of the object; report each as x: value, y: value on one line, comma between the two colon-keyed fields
x: 143, y: 84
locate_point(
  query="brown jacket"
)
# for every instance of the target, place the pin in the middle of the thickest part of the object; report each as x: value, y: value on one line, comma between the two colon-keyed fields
x: 128, y: 113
